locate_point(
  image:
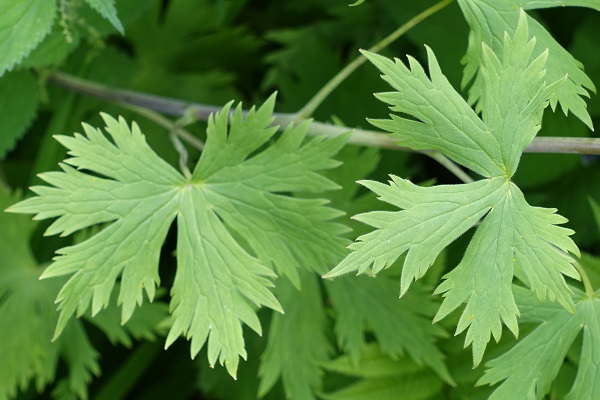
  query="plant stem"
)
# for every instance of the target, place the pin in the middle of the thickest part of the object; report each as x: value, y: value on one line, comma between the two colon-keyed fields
x: 363, y: 137
x: 589, y: 290
x: 450, y: 166
x: 330, y: 86
x: 175, y: 132
x: 572, y: 145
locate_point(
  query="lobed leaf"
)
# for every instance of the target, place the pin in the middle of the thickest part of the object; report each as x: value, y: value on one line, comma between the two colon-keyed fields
x: 527, y: 370
x: 236, y: 224
x: 431, y: 219
x: 513, y: 238
x: 444, y: 121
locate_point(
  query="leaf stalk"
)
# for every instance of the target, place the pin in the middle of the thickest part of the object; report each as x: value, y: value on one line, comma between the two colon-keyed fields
x: 587, y: 284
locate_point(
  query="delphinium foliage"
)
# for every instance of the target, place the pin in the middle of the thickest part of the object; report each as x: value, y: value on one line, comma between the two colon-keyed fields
x: 220, y: 208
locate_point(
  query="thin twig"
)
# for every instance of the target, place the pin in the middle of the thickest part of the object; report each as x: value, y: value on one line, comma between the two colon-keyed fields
x: 450, y: 166
x: 330, y: 86
x: 166, y: 123
x: 175, y: 132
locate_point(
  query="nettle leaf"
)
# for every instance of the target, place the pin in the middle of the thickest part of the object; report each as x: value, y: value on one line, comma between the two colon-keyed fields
x: 23, y: 25
x: 107, y: 9
x: 18, y: 106
x: 513, y: 237
x: 489, y: 20
x: 238, y: 191
x: 528, y: 369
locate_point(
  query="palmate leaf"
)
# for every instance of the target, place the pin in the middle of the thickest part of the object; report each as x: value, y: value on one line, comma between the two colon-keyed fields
x: 490, y: 19
x: 527, y: 370
x: 513, y: 234
x: 229, y: 195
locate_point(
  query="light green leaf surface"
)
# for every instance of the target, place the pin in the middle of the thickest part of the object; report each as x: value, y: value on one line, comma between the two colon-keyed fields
x: 18, y: 106
x: 107, y: 9
x: 219, y: 280
x: 393, y: 325
x: 513, y: 235
x: 297, y: 341
x: 23, y: 25
x: 434, y: 103
x: 533, y: 4
x: 490, y: 19
x: 527, y: 370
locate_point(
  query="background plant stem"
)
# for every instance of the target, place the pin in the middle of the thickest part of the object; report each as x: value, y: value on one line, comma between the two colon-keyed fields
x: 178, y: 108
x: 330, y: 86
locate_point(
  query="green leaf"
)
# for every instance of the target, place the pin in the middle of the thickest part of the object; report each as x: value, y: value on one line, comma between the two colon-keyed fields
x: 384, y: 378
x: 400, y: 327
x: 107, y: 9
x: 533, y: 4
x: 489, y: 20
x: 233, y: 193
x: 23, y: 25
x: 54, y: 49
x: 465, y: 138
x: 18, y: 109
x: 513, y: 238
x: 303, y: 326
x: 528, y: 369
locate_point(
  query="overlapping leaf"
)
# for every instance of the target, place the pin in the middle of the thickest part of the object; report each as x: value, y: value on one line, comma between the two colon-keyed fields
x: 489, y: 19
x: 513, y: 234
x: 383, y: 378
x: 229, y: 195
x: 18, y: 105
x: 303, y: 326
x: 28, y: 317
x: 527, y: 370
x: 400, y: 327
